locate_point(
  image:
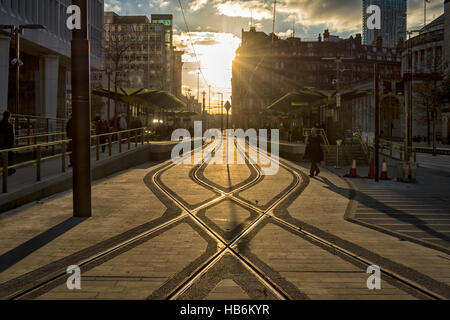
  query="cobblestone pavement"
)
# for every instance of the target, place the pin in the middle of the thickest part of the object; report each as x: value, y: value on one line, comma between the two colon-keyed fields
x: 212, y: 231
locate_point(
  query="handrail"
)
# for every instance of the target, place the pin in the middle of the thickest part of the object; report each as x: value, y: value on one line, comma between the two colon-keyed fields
x: 140, y: 134
x: 14, y: 115
x: 392, y: 146
x: 321, y: 133
x: 364, y: 145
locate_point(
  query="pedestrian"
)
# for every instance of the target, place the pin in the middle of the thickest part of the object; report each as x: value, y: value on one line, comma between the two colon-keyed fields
x: 102, y: 128
x: 123, y: 122
x: 69, y: 132
x: 7, y: 138
x: 314, y: 152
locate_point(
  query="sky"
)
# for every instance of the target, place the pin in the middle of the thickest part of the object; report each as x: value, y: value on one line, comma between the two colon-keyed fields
x: 215, y: 28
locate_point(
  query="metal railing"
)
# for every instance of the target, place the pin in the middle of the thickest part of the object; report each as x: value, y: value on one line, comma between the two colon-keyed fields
x: 132, y: 136
x: 322, y: 133
x: 389, y: 148
x: 42, y: 138
x: 36, y: 125
x: 364, y: 144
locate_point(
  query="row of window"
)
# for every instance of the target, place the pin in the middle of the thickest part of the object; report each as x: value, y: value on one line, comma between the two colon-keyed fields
x: 112, y: 27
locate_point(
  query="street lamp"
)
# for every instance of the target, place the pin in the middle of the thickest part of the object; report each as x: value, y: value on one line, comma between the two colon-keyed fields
x: 17, y: 31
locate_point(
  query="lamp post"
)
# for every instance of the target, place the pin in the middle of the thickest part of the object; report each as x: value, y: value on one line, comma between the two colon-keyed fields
x: 408, y: 98
x: 376, y: 82
x: 17, y: 31
x: 221, y: 109
x: 81, y: 106
x: 204, y: 111
x: 227, y: 107
x: 108, y: 72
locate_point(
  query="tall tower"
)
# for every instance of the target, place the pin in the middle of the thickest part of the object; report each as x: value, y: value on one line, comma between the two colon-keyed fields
x: 447, y: 34
x: 393, y: 22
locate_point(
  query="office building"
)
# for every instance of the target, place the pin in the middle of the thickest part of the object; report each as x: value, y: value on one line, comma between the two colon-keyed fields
x: 45, y: 75
x: 393, y: 22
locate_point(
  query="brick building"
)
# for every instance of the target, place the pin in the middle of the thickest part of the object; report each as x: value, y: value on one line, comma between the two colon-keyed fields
x: 266, y: 68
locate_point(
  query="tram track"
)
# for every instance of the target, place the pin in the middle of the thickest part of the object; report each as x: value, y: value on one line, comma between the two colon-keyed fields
x: 225, y: 246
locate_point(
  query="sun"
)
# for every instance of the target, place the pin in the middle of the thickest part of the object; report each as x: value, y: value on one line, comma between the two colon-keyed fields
x: 215, y: 51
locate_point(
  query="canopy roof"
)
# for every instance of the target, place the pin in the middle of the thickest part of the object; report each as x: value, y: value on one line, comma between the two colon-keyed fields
x: 295, y: 101
x: 153, y: 98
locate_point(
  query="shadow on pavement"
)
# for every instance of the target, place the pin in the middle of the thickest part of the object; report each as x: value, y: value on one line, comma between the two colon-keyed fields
x: 15, y: 255
x: 373, y: 203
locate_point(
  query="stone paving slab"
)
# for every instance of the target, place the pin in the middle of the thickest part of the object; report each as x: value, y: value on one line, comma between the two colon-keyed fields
x: 316, y: 272
x: 268, y: 189
x: 40, y: 233
x: 156, y: 265
x: 321, y: 206
x: 401, y: 206
x: 137, y: 273
x: 192, y: 193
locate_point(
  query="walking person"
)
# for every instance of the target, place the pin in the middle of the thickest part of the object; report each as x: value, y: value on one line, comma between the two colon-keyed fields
x: 314, y: 152
x: 102, y: 128
x: 123, y: 123
x: 7, y: 138
x: 69, y: 132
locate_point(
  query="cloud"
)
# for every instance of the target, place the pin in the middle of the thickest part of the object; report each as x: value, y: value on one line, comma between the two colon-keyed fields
x: 245, y: 9
x: 197, y: 4
x: 113, y: 5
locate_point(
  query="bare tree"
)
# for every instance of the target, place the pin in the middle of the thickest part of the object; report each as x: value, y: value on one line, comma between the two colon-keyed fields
x: 118, y: 40
x: 428, y: 102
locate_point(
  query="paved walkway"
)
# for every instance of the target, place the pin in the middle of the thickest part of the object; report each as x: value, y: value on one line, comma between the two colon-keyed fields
x: 418, y: 211
x: 212, y: 232
x: 51, y: 168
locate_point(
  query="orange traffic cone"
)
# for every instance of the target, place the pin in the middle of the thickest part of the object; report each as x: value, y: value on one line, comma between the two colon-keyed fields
x: 371, y: 174
x: 384, y: 172
x: 352, y: 173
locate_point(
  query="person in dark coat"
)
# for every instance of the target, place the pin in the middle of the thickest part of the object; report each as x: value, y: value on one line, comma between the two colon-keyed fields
x: 69, y: 132
x: 7, y: 138
x: 102, y: 128
x: 314, y: 152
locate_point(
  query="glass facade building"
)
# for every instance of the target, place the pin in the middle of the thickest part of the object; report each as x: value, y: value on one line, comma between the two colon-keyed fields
x: 393, y: 22
x: 45, y: 75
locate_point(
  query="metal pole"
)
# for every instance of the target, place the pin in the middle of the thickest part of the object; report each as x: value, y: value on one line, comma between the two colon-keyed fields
x: 204, y: 112
x: 434, y: 133
x: 198, y: 85
x: 109, y: 98
x: 81, y: 106
x: 221, y: 109
x: 377, y: 120
x: 17, y: 34
x: 227, y: 137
